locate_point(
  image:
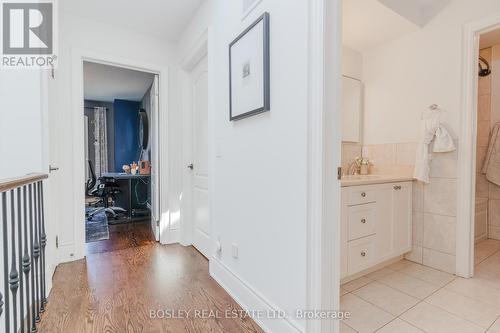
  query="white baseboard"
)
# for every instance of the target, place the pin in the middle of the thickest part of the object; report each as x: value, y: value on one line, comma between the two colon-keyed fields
x: 251, y: 300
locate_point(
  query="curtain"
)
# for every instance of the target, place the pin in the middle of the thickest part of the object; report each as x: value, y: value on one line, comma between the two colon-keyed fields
x: 101, y: 141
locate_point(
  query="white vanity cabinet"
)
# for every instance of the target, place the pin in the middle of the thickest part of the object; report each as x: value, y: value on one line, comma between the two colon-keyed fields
x: 376, y: 225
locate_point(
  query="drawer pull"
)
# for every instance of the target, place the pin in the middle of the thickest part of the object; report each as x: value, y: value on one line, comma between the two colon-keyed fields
x: 363, y: 194
x: 363, y: 254
x: 363, y: 220
x: 397, y: 187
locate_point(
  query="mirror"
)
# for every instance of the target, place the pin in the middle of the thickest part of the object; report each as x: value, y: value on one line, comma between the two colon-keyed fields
x: 351, y: 109
x: 143, y: 129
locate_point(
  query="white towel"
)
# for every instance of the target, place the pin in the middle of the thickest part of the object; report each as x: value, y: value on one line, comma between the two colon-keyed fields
x: 491, y: 167
x: 443, y: 142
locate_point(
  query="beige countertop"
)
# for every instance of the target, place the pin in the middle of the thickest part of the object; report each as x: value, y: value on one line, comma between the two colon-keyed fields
x: 374, y: 179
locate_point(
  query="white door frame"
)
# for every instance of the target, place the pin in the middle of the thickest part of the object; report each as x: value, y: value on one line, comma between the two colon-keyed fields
x: 195, y: 53
x: 78, y: 57
x: 467, y: 151
x: 324, y: 151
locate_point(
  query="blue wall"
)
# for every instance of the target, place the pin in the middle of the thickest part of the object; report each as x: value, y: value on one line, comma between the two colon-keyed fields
x: 126, y: 123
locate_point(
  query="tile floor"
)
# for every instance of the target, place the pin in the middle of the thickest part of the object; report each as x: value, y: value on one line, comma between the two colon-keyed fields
x: 407, y: 297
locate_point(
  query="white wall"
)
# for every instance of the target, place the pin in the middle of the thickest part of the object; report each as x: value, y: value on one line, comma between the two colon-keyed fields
x: 405, y: 76
x: 352, y: 63
x: 21, y: 130
x: 259, y: 174
x: 101, y: 39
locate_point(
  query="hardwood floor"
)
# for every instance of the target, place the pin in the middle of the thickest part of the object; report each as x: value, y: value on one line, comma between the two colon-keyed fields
x: 123, y: 236
x: 116, y: 292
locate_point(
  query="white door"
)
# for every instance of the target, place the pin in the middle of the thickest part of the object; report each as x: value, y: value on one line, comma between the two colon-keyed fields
x: 155, y: 181
x: 199, y: 167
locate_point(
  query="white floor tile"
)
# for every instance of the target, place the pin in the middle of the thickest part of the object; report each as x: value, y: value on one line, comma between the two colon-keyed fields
x: 409, y: 285
x: 428, y: 274
x: 346, y: 329
x: 480, y: 313
x: 380, y: 273
x: 399, y: 326
x: 400, y: 265
x: 436, y: 320
x: 356, y: 284
x: 475, y: 289
x: 485, y: 249
x: 495, y: 328
x: 365, y: 317
x: 389, y: 299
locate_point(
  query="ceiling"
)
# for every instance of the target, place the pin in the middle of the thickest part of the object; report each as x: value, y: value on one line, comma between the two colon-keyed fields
x: 489, y: 39
x: 106, y: 83
x: 369, y: 23
x: 164, y: 19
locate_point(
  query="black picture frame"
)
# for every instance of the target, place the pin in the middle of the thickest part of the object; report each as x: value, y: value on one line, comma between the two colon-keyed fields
x: 266, y: 68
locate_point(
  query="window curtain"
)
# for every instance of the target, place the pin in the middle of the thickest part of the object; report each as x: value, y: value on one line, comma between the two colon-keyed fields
x: 101, y: 141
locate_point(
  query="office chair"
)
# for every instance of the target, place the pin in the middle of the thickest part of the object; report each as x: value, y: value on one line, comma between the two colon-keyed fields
x: 106, y: 189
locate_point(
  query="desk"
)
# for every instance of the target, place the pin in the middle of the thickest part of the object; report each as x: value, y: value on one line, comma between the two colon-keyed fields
x: 135, y: 194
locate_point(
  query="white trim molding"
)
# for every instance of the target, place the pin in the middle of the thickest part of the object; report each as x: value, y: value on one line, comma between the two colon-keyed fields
x: 467, y: 151
x: 250, y: 299
x: 78, y: 57
x: 323, y: 206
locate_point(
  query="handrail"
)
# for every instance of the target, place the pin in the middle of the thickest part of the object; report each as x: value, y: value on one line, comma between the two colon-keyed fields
x: 12, y: 183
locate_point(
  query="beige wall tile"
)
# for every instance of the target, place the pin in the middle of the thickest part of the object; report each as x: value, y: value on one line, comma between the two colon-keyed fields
x: 439, y: 233
x: 494, y: 213
x: 405, y: 153
x: 415, y: 255
x: 493, y: 232
x: 438, y: 260
x: 418, y: 196
x: 381, y: 153
x: 484, y: 108
x: 440, y: 196
x: 443, y: 168
x: 418, y: 228
x: 494, y: 191
x: 482, y: 186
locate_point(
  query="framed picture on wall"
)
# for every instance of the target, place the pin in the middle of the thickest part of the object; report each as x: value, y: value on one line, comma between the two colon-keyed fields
x: 249, y: 86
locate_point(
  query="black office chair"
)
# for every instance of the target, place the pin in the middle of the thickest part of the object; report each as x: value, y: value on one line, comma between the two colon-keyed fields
x: 106, y: 189
x: 90, y: 185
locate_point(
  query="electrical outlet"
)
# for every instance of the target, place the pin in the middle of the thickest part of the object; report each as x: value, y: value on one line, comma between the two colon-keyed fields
x: 234, y: 250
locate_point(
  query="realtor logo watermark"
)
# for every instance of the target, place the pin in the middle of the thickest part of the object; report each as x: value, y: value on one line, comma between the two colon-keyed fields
x: 28, y: 34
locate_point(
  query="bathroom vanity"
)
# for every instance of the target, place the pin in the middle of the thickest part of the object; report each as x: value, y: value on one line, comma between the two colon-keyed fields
x: 376, y: 221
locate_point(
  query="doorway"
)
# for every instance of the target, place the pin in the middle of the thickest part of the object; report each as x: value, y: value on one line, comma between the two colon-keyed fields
x: 476, y: 224
x: 120, y: 111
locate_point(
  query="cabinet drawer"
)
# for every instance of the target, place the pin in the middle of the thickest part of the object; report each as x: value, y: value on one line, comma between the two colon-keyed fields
x: 361, y: 221
x: 361, y: 254
x: 360, y: 196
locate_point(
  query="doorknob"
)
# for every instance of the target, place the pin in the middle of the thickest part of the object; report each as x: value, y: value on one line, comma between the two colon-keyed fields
x: 53, y: 168
x: 191, y: 166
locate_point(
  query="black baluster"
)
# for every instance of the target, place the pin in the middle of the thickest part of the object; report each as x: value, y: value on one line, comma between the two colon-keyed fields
x: 44, y: 243
x: 26, y: 258
x: 36, y: 254
x: 20, y: 251
x: 14, y: 274
x: 5, y: 261
x: 32, y: 275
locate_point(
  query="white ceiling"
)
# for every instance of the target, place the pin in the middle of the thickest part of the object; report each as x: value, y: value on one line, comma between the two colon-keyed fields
x: 489, y: 39
x: 369, y: 23
x: 164, y: 19
x: 419, y: 12
x: 106, y: 83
